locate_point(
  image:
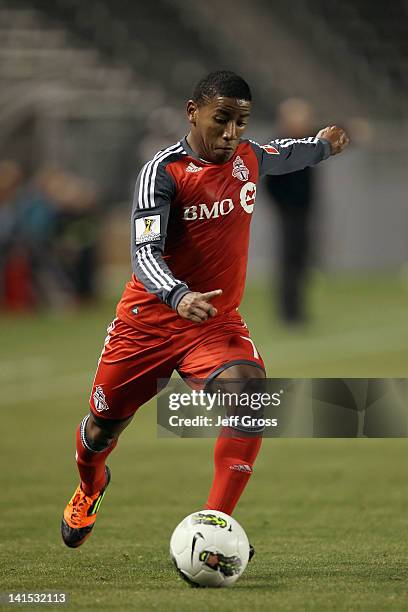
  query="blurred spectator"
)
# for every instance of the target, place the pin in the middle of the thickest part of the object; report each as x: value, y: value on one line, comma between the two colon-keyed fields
x: 75, y: 230
x: 47, y: 239
x: 15, y: 273
x: 294, y: 198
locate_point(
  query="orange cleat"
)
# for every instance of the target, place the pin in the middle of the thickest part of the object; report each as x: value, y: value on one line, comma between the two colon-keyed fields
x: 80, y: 515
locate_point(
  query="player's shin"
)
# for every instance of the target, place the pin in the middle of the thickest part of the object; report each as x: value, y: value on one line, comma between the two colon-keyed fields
x: 234, y: 458
x: 90, y: 461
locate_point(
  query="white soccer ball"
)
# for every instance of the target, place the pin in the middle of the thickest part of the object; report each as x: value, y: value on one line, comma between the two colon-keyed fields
x: 209, y: 549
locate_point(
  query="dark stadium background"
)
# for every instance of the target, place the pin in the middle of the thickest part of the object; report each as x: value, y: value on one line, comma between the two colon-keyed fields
x: 88, y: 91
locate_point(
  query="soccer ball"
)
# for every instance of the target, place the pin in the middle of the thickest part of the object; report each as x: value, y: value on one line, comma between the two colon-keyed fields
x: 209, y: 549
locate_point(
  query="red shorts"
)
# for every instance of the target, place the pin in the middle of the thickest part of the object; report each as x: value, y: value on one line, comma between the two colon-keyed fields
x: 132, y: 361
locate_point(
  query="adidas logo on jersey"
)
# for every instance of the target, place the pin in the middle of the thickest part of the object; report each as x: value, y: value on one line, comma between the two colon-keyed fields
x: 193, y: 168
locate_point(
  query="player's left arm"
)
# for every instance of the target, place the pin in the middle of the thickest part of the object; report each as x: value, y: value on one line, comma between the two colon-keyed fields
x: 289, y: 154
x: 336, y: 136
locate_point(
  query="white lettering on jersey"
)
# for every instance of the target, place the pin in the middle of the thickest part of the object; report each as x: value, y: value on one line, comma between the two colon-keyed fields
x: 190, y: 213
x: 207, y: 214
x: 224, y: 207
x: 247, y: 196
x: 223, y: 204
x: 202, y: 211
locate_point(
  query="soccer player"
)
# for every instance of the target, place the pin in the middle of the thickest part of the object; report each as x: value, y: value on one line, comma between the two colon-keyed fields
x: 191, y: 214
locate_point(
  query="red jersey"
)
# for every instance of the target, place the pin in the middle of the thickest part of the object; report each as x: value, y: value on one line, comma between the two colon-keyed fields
x: 191, y: 223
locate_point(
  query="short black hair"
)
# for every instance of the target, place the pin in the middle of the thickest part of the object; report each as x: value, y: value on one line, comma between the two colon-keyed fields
x: 221, y: 83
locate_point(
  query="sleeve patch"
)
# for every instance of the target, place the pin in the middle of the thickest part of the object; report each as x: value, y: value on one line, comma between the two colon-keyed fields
x: 147, y: 229
x: 270, y: 149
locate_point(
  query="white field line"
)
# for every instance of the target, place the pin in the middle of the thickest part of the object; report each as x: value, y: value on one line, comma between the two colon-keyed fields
x: 334, y: 346
x: 47, y: 387
x: 27, y: 367
x: 40, y: 383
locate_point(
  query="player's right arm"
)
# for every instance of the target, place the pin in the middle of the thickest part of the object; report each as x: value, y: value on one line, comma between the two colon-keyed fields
x: 154, y: 191
x: 153, y: 195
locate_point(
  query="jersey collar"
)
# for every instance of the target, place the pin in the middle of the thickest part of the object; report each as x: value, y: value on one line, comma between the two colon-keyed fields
x: 192, y: 153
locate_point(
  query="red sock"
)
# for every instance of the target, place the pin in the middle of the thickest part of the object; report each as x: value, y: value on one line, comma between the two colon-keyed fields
x: 233, y: 459
x: 91, y: 464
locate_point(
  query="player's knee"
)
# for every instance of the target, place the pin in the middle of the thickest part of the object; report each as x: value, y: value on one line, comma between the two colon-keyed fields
x: 98, y: 438
x: 242, y: 385
x: 242, y: 372
x: 102, y: 433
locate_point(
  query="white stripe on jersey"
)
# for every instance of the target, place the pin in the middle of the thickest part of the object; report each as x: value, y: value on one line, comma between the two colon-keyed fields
x: 152, y: 170
x: 150, y: 196
x: 287, y: 142
x: 147, y: 273
x: 144, y: 172
x: 164, y: 274
x: 150, y: 272
x: 146, y: 182
x: 254, y: 142
x: 139, y: 259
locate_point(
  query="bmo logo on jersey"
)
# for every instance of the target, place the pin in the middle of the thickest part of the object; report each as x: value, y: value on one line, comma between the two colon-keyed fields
x: 223, y: 207
x: 202, y: 211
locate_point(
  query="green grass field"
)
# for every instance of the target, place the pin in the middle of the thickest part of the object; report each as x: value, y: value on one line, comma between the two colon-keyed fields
x: 328, y: 517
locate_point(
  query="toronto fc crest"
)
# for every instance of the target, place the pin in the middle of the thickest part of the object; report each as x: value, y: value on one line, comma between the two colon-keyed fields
x: 99, y: 399
x: 240, y: 171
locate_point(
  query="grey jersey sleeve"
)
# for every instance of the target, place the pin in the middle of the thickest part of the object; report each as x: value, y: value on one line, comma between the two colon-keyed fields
x: 288, y: 155
x: 154, y: 192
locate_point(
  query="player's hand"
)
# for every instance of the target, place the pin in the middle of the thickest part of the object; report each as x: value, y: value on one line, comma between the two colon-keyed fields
x: 197, y: 307
x: 336, y: 136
